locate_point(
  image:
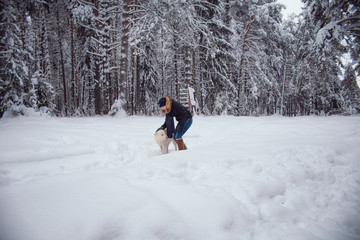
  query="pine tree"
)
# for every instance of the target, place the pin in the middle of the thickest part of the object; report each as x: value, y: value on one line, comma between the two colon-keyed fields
x: 351, y: 92
x: 323, y: 61
x: 257, y: 27
x: 15, y: 85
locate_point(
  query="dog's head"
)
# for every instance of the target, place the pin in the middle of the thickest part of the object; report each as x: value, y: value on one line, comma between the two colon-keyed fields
x: 160, y: 136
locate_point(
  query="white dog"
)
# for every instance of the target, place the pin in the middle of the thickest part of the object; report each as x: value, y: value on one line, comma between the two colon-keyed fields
x: 162, y: 139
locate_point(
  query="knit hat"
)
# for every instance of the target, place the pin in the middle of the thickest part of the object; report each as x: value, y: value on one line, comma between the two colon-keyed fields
x: 162, y: 102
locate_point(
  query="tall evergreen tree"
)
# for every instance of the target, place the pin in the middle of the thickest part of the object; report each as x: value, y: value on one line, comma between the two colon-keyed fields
x: 351, y: 92
x: 15, y: 84
x: 324, y: 60
x: 257, y: 38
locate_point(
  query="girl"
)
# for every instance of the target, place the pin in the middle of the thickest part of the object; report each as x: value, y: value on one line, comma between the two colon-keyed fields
x: 182, y: 115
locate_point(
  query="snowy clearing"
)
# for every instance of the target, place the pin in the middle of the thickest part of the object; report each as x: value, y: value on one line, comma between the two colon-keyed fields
x: 103, y: 178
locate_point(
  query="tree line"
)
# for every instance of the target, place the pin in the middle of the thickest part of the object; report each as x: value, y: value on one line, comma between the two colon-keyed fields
x: 95, y: 57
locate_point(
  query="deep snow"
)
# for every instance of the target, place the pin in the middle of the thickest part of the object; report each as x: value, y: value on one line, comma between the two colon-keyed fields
x: 103, y: 178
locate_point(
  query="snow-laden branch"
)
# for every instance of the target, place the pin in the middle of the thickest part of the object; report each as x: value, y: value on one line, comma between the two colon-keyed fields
x: 324, y: 32
x: 336, y: 28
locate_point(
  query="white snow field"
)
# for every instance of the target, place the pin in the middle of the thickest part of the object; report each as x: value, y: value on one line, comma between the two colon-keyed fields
x: 103, y: 178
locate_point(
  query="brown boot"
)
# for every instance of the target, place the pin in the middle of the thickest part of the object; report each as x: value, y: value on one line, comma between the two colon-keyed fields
x: 180, y: 144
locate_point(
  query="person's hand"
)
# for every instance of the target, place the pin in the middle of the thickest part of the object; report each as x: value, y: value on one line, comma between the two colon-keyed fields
x: 178, y: 129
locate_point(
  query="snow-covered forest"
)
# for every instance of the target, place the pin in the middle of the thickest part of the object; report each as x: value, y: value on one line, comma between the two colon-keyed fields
x: 93, y: 57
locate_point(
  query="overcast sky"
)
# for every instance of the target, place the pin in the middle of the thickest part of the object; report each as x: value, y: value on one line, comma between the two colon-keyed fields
x: 292, y: 6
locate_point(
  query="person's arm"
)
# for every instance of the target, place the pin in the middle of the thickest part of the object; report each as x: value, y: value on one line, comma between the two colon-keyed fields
x: 162, y: 127
x: 169, y: 125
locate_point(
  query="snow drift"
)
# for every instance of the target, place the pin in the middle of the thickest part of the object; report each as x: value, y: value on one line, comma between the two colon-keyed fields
x: 241, y: 178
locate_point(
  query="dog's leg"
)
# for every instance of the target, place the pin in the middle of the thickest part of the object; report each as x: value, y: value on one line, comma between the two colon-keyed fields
x: 167, y: 144
x: 175, y: 145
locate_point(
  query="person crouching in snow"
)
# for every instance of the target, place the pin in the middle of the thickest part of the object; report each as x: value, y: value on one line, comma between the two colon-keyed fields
x: 172, y: 109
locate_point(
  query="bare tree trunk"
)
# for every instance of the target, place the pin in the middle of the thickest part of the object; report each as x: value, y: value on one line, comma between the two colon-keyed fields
x: 283, y: 89
x: 187, y: 61
x: 193, y: 83
x: 116, y: 64
x: 162, y: 78
x: 97, y: 88
x: 138, y: 88
x: 41, y: 15
x: 62, y: 63
x: 177, y: 82
x: 242, y: 89
x: 124, y: 46
x: 132, y: 89
x: 227, y: 38
x: 162, y: 71
x: 75, y: 83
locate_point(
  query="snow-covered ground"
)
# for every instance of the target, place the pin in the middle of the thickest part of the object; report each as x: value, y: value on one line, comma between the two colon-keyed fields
x: 103, y: 178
